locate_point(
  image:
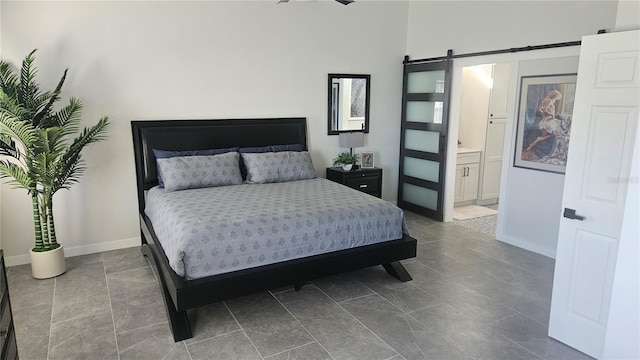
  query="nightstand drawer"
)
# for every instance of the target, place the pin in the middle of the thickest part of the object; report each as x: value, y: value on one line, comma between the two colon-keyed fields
x: 368, y: 183
x: 367, y: 180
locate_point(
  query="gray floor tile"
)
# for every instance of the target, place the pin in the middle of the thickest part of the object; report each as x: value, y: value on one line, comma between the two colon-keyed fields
x: 270, y: 327
x: 21, y: 282
x: 124, y: 259
x: 154, y: 342
x: 83, y: 259
x: 342, y: 287
x: 81, y: 276
x: 533, y: 336
x: 87, y: 338
x: 211, y: 320
x: 42, y: 297
x: 534, y: 304
x: 404, y: 295
x: 89, y: 298
x: 235, y: 345
x: 32, y: 326
x: 311, y: 351
x: 335, y: 329
x: 477, y: 341
x: 136, y: 300
x: 403, y: 333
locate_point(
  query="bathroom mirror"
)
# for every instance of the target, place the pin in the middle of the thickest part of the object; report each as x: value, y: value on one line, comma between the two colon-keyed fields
x: 348, y: 109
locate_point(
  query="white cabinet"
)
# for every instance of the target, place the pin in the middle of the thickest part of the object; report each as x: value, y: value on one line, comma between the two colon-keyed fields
x: 467, y: 175
x: 494, y: 142
x: 492, y: 169
x: 499, y: 91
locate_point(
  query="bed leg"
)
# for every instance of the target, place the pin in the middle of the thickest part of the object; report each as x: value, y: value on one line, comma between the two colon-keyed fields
x: 398, y: 271
x: 297, y: 286
x: 178, y: 320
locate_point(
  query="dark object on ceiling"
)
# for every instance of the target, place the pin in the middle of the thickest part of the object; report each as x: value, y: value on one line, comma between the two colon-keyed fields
x: 343, y: 2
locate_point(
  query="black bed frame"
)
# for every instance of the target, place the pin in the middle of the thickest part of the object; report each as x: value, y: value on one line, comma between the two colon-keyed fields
x: 180, y: 294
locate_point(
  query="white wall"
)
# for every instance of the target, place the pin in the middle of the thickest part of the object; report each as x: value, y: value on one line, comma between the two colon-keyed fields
x: 628, y: 15
x: 531, y: 200
x: 185, y: 60
x: 470, y: 26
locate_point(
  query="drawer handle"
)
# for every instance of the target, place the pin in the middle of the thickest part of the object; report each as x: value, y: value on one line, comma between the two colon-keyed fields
x: 363, y: 186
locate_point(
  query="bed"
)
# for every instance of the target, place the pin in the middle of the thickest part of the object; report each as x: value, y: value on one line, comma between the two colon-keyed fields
x: 245, y: 261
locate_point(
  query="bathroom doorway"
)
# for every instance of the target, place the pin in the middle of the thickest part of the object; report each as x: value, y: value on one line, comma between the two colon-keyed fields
x: 481, y: 132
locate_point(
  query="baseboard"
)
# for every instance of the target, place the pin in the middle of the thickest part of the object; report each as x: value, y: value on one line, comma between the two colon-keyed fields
x: 527, y: 245
x: 80, y: 250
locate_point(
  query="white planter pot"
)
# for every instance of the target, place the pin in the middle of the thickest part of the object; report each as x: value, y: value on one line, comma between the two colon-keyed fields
x: 347, y: 167
x: 47, y: 264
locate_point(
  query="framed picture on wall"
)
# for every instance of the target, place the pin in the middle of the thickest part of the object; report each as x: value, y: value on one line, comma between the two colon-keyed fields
x: 544, y: 122
x: 367, y: 160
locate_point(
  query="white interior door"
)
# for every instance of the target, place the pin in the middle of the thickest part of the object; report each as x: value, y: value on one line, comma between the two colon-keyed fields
x: 603, y: 134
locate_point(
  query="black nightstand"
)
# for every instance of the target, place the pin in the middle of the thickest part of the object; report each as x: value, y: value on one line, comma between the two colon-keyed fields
x: 367, y: 180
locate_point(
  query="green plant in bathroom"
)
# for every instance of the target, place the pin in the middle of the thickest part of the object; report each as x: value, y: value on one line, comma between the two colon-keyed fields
x: 40, y: 147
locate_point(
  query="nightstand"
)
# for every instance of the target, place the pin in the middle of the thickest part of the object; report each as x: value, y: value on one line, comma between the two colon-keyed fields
x: 367, y: 180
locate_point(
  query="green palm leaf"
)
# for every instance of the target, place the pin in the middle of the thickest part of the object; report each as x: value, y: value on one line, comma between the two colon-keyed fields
x: 18, y: 130
x: 8, y: 80
x: 52, y: 98
x: 17, y: 174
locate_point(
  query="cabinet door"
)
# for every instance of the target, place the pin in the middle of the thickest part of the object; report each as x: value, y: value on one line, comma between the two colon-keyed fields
x: 493, y: 159
x: 470, y: 191
x: 499, y: 91
x: 457, y: 195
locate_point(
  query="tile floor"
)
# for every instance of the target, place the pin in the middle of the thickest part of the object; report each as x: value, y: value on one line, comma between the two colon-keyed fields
x: 472, y: 297
x: 484, y: 224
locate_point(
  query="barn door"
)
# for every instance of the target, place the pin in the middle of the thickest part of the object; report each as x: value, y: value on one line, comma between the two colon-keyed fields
x: 423, y: 141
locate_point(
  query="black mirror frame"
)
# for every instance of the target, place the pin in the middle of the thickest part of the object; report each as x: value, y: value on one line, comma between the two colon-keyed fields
x: 330, y: 131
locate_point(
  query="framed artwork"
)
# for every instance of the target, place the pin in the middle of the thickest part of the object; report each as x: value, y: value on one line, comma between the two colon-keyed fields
x: 367, y: 160
x: 544, y: 122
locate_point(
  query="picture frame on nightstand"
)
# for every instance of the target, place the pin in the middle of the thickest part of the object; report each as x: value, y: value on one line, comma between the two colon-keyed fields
x: 367, y: 160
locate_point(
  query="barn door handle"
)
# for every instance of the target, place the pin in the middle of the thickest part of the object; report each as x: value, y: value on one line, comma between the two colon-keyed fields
x: 571, y: 214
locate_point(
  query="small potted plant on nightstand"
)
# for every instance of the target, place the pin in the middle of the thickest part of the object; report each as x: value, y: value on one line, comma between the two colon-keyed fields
x: 38, y: 154
x: 346, y: 160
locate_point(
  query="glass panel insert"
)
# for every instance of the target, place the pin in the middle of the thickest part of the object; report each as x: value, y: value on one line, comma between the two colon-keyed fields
x: 424, y: 197
x: 425, y: 82
x: 424, y: 111
x: 428, y: 141
x: 422, y: 169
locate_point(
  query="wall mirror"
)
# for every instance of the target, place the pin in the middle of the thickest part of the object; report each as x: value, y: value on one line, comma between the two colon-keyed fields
x: 348, y: 109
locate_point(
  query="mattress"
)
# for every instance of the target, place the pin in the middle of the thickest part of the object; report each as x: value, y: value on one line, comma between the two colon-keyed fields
x: 216, y: 230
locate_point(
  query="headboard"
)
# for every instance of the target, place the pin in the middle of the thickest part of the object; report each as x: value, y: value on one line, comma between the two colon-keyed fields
x: 206, y: 134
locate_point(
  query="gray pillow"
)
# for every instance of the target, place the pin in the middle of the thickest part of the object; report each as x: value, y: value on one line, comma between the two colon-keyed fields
x: 281, y: 166
x: 190, y: 172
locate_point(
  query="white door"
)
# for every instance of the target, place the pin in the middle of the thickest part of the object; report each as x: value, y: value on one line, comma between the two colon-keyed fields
x: 493, y: 159
x: 603, y: 134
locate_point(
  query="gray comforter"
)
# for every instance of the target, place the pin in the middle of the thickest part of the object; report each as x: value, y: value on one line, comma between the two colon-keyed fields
x: 215, y: 230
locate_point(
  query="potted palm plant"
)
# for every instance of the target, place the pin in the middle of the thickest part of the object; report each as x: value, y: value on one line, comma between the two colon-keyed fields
x: 39, y: 153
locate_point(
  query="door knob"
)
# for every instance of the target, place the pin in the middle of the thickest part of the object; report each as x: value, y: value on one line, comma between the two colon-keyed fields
x: 571, y: 214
